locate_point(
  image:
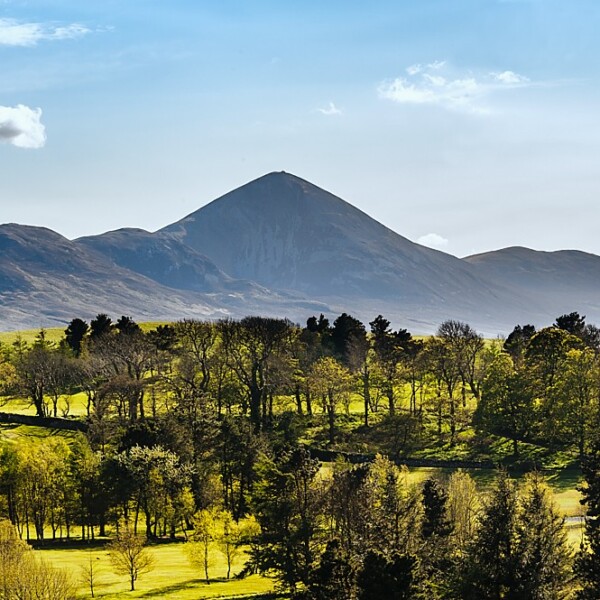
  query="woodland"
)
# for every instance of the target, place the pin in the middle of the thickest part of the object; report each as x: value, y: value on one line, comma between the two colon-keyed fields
x: 288, y: 450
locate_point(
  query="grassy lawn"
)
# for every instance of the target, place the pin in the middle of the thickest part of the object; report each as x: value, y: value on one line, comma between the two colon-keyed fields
x: 172, y: 576
x: 55, y: 334
x: 19, y: 433
x: 563, y: 484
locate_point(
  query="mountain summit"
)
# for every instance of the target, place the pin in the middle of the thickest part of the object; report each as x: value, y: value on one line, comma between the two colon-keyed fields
x: 286, y: 233
x: 280, y: 245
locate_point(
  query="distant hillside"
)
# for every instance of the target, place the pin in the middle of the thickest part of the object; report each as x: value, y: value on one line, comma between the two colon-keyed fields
x: 560, y: 281
x: 47, y: 280
x: 282, y: 246
x: 165, y: 260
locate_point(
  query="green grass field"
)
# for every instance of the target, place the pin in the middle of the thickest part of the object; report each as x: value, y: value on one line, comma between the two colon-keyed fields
x: 172, y: 577
x: 55, y: 334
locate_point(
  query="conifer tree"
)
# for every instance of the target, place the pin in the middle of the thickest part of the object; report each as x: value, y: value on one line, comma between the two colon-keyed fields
x: 542, y: 550
x: 491, y: 563
x: 436, y: 558
x: 587, y: 564
x: 333, y: 579
x: 388, y: 578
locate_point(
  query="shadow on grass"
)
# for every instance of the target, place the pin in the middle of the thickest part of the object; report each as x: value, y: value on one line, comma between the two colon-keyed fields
x: 194, y: 583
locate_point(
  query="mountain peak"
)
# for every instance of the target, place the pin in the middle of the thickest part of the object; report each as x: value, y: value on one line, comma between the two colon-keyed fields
x: 289, y: 234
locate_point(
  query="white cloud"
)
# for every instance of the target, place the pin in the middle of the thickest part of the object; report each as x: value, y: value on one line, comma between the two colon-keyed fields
x: 14, y: 33
x: 509, y: 77
x: 435, y: 80
x: 436, y: 64
x: 433, y: 240
x: 330, y: 110
x: 21, y: 126
x: 435, y: 85
x: 457, y: 93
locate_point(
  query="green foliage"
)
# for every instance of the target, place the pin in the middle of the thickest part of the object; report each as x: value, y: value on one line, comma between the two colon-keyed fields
x: 492, y: 563
x: 333, y: 579
x: 129, y: 555
x: 208, y: 419
x: 507, y: 405
x: 544, y: 568
x: 287, y: 505
x: 520, y: 548
x: 391, y: 577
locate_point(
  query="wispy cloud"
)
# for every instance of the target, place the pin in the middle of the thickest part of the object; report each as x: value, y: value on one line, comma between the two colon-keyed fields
x: 433, y: 240
x: 330, y: 110
x: 15, y: 33
x: 434, y: 84
x: 509, y: 77
x: 418, y: 68
x: 21, y: 126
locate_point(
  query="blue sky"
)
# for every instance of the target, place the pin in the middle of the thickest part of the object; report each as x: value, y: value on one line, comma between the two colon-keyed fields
x: 467, y: 124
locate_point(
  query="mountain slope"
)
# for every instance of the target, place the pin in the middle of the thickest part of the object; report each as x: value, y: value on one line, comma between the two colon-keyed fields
x: 286, y: 233
x: 165, y: 260
x: 281, y: 246
x: 561, y: 281
x: 47, y: 280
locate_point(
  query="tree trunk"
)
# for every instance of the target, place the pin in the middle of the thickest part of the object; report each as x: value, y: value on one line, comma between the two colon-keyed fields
x: 206, y: 563
x: 331, y: 418
x: 391, y: 401
x: 452, y: 420
x: 298, y: 399
x: 308, y: 402
x: 366, y: 394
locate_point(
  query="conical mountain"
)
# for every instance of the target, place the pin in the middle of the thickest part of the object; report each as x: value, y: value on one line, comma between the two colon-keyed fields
x: 286, y: 233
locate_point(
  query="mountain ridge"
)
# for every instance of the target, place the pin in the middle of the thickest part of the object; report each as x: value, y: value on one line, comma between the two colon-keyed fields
x: 281, y: 245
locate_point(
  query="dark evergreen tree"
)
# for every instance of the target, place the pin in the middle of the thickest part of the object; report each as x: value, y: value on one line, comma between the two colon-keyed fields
x: 127, y: 326
x: 238, y: 450
x: 435, y: 518
x: 390, y: 347
x: 347, y: 331
x: 491, y: 564
x: 572, y: 323
x: 287, y: 505
x: 544, y: 571
x: 383, y: 578
x: 333, y: 579
x: 517, y: 341
x: 100, y: 326
x: 436, y: 559
x: 587, y: 563
x: 164, y: 337
x: 320, y: 325
x: 74, y: 334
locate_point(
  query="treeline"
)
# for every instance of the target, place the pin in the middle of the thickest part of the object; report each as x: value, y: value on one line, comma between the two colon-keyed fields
x: 197, y: 417
x: 540, y: 386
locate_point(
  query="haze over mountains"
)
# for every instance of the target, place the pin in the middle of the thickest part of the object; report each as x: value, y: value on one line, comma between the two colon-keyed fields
x: 282, y: 246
